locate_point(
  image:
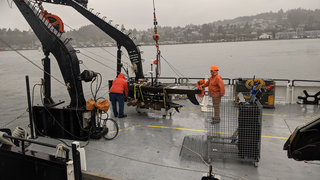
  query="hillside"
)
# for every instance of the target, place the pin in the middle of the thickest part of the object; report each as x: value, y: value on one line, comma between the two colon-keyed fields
x: 240, y: 28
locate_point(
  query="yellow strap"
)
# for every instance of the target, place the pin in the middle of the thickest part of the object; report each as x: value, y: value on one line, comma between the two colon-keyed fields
x: 141, y: 91
x: 135, y: 91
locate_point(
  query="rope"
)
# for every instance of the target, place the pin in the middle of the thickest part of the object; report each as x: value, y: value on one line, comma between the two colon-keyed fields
x: 175, y: 70
x: 249, y: 83
x: 60, y: 147
x: 177, y: 146
x: 196, y: 154
x: 287, y: 126
x: 101, y: 63
x: 10, y: 5
x: 100, y: 47
x: 14, y: 119
x: 60, y: 124
x: 172, y: 67
x: 99, y: 55
x: 20, y: 133
x: 4, y: 42
x: 5, y: 140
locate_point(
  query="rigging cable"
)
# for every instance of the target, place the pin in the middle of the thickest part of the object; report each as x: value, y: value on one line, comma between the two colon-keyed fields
x: 82, y: 138
x: 98, y: 55
x: 4, y: 42
x: 10, y: 5
x: 176, y: 71
x: 232, y: 176
x: 14, y: 119
x: 99, y: 62
x: 172, y: 67
x: 100, y: 47
x: 156, y: 37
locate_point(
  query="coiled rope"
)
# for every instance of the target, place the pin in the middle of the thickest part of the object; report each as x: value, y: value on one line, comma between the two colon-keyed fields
x: 249, y: 83
x: 20, y: 132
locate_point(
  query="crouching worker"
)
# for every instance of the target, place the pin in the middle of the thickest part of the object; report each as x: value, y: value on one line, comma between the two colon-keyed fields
x: 118, y: 90
x: 216, y: 91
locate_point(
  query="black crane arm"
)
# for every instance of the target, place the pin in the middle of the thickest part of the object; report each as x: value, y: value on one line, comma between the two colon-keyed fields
x: 54, y: 42
x: 304, y: 143
x: 121, y: 38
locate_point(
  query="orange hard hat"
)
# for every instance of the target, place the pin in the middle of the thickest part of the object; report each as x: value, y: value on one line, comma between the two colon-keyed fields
x: 214, y: 67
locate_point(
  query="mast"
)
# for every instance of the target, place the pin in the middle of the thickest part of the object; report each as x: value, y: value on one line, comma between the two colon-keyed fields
x: 156, y: 37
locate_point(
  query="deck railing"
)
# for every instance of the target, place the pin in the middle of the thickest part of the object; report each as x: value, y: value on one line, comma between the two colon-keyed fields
x: 35, y: 142
x: 287, y: 91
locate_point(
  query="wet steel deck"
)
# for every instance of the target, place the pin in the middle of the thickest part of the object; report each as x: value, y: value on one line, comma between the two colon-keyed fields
x: 148, y: 147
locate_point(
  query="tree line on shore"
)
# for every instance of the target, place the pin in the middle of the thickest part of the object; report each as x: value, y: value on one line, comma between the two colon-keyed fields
x: 90, y: 35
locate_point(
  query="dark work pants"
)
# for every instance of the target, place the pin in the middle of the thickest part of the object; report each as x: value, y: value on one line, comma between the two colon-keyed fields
x: 114, y: 97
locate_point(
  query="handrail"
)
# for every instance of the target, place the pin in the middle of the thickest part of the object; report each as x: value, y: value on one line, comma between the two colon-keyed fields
x: 175, y: 79
x: 180, y: 79
x: 35, y: 142
x: 271, y: 79
x: 303, y: 81
x: 234, y: 80
x: 227, y: 79
x: 281, y: 80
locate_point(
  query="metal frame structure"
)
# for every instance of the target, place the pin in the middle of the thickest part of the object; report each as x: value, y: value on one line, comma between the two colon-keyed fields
x: 238, y: 134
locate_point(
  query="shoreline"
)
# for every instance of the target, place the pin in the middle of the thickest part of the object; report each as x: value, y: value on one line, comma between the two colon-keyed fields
x: 1, y: 50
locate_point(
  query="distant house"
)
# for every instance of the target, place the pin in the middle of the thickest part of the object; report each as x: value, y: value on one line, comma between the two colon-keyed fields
x: 265, y: 36
x: 211, y: 34
x: 290, y: 30
x: 195, y: 33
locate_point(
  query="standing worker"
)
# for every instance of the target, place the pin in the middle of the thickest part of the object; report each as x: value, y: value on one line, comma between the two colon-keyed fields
x: 116, y: 93
x: 216, y: 91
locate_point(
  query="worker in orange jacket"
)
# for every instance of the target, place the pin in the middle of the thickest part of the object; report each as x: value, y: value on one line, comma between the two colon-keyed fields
x: 118, y: 90
x: 216, y: 91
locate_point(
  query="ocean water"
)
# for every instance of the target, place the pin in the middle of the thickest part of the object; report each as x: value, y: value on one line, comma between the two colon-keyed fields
x: 277, y: 59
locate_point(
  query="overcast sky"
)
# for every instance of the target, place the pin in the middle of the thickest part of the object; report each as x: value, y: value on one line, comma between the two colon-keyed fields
x: 139, y: 13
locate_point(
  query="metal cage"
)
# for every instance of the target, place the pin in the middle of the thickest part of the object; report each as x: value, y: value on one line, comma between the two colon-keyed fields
x: 234, y: 132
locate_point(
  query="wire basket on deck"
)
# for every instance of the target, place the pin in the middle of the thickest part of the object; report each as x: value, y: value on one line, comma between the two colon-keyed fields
x: 234, y: 130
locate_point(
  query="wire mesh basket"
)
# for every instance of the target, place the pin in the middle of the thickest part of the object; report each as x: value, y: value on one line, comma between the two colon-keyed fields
x: 234, y: 130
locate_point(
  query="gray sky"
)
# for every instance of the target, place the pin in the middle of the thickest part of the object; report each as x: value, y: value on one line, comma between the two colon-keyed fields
x: 139, y: 13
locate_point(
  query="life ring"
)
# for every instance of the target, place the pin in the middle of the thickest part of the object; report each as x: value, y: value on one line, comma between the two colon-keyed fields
x: 54, y: 20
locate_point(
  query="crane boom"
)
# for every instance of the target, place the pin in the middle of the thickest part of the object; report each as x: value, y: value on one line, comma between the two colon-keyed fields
x: 53, y: 41
x: 121, y: 38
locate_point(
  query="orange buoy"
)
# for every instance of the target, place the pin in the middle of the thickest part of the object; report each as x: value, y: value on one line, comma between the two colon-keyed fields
x: 156, y: 37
